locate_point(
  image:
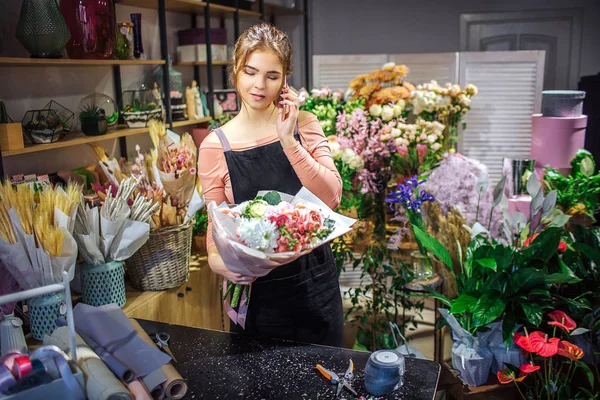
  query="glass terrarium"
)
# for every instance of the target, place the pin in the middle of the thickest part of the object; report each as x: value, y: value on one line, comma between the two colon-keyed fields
x: 42, y: 126
x: 97, y: 114
x: 140, y: 107
x: 67, y: 117
x: 177, y: 92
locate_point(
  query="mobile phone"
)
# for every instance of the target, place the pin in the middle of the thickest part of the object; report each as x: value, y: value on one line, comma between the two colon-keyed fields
x: 285, y: 85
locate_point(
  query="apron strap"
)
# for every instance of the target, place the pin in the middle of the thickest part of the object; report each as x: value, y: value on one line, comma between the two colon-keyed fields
x: 223, y: 140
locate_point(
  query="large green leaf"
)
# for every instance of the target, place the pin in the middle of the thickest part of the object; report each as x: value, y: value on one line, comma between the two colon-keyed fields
x: 533, y: 312
x: 463, y: 303
x: 588, y: 372
x: 488, y: 263
x: 588, y: 251
x: 509, y: 325
x: 431, y: 244
x: 489, y: 307
x: 561, y: 278
x: 525, y: 279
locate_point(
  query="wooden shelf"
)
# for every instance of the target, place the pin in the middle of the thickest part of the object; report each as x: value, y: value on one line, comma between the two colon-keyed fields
x: 191, y: 63
x: 68, y: 61
x: 276, y: 10
x: 78, y: 138
x: 190, y: 7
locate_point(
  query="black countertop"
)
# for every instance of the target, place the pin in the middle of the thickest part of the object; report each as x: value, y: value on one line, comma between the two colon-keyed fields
x: 221, y: 365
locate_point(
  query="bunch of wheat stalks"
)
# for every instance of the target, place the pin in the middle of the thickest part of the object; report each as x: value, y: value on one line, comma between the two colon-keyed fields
x: 35, y: 212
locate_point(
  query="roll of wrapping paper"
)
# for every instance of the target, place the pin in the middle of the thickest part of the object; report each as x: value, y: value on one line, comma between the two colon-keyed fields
x: 117, y: 368
x: 100, y: 382
x: 175, y: 387
x: 138, y: 390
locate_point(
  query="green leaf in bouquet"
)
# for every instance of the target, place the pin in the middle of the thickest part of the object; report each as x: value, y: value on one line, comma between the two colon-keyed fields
x: 533, y: 312
x: 463, y: 303
x: 588, y: 251
x: 489, y: 307
x: 537, y: 202
x: 588, y: 372
x: 557, y: 219
x: 273, y: 198
x: 431, y: 244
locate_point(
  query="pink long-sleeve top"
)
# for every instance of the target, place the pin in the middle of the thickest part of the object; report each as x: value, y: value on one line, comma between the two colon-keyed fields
x: 311, y: 161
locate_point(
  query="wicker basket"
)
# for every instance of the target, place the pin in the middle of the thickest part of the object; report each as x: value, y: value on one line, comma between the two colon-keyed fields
x: 163, y: 262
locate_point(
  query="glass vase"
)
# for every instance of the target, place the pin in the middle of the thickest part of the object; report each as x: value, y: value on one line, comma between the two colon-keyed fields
x: 41, y: 28
x: 423, y: 268
x: 138, y: 48
x: 92, y: 26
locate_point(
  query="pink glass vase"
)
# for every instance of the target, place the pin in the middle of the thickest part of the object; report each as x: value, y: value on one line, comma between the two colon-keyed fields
x: 92, y: 26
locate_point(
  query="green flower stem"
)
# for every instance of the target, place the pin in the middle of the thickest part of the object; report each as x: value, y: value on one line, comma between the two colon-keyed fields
x: 519, y: 389
x: 229, y: 287
x: 235, y: 300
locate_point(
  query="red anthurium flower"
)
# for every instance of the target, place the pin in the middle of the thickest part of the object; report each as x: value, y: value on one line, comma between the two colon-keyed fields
x: 507, y: 376
x: 542, y: 345
x: 530, y: 239
x: 570, y: 351
x: 528, y: 368
x: 562, y: 320
x: 562, y: 247
x: 523, y: 342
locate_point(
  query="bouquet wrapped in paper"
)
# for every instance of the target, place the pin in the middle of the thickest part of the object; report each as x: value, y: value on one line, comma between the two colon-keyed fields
x: 274, y: 229
x: 36, y: 242
x: 118, y: 229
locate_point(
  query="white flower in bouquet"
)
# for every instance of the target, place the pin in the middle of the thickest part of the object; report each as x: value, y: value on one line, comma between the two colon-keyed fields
x: 395, y: 133
x: 302, y: 96
x: 423, y: 136
x: 259, y: 234
x: 387, y: 113
x: 255, y: 208
x: 432, y: 138
x: 436, y: 146
x: 455, y: 90
x: 385, y: 137
x: 375, y: 110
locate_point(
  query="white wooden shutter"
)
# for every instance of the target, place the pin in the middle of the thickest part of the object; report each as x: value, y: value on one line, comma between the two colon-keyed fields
x: 499, y: 123
x: 336, y: 71
x: 422, y: 68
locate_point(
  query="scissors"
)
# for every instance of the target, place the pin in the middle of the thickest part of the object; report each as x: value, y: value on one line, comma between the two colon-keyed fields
x: 342, y: 383
x: 162, y: 341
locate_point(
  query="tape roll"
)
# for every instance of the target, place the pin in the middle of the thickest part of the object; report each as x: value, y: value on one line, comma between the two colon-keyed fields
x: 384, y: 371
x: 22, y: 367
x: 8, y: 360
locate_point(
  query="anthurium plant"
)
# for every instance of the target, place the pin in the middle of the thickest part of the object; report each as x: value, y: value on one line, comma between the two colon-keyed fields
x: 553, y: 361
x: 509, y: 279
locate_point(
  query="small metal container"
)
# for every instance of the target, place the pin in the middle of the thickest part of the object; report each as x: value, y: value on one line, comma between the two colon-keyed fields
x: 562, y: 103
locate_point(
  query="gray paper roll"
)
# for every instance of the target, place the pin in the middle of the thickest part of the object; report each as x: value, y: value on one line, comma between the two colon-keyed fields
x: 101, y: 384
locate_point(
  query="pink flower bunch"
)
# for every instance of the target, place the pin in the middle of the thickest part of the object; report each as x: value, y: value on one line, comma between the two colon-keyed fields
x: 297, y: 228
x: 365, y: 136
x: 178, y: 158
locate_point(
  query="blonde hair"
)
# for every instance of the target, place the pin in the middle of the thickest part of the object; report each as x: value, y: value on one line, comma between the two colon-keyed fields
x: 260, y: 37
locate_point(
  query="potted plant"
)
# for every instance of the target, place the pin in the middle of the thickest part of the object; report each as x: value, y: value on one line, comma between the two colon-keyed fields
x: 97, y: 114
x: 93, y: 120
x: 199, y: 231
x: 507, y: 281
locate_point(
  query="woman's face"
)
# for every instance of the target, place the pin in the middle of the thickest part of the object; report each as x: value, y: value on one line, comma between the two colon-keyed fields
x: 260, y: 80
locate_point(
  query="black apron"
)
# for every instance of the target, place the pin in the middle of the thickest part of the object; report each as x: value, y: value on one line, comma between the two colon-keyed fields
x: 299, y: 301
